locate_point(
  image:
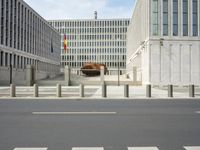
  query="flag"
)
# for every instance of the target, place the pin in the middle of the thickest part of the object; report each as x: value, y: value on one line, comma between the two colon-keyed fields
x: 65, y: 43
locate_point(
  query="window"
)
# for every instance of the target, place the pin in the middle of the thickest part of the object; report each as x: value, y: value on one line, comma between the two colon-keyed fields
x: 165, y: 17
x: 185, y: 17
x: 175, y: 17
x: 195, y: 17
x: 155, y: 17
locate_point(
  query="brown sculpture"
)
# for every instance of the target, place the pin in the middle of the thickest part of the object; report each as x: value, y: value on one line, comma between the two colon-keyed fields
x: 93, y: 69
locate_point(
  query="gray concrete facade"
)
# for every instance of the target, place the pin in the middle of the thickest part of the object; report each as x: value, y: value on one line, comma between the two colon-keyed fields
x: 163, y: 42
x: 93, y: 40
x: 26, y: 39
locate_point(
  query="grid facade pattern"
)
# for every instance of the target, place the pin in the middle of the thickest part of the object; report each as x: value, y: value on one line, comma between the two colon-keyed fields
x: 96, y: 40
x: 164, y: 42
x: 26, y: 38
x: 175, y: 18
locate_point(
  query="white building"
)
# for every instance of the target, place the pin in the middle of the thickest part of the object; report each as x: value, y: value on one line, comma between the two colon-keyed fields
x: 163, y: 42
x: 26, y: 39
x: 93, y: 40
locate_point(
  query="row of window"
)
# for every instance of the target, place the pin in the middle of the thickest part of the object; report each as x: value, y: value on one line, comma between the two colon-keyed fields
x: 108, y: 64
x: 175, y: 15
x: 98, y: 51
x: 91, y: 30
x: 95, y: 37
x: 21, y: 29
x: 96, y: 44
x: 94, y: 23
x: 108, y: 58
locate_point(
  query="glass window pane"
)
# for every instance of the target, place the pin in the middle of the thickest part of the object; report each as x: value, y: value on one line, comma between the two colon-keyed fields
x: 175, y: 17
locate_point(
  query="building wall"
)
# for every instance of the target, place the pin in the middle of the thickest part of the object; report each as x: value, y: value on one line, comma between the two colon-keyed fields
x: 26, y: 38
x: 171, y: 53
x: 137, y: 35
x: 94, y: 40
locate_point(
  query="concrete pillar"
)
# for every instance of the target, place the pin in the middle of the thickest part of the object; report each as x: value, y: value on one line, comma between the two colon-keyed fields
x: 81, y: 90
x: 67, y: 75
x: 170, y: 90
x: 134, y: 74
x: 59, y: 91
x: 126, y: 90
x: 191, y: 91
x: 148, y: 90
x: 30, y: 75
x: 102, y: 74
x: 35, y: 90
x: 12, y: 90
x: 104, y: 90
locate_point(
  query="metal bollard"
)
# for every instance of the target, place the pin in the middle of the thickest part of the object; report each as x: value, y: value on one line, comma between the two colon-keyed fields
x: 104, y: 90
x: 12, y: 90
x: 81, y: 90
x: 35, y: 90
x: 148, y: 90
x: 58, y: 93
x: 170, y: 90
x: 126, y: 90
x: 191, y: 91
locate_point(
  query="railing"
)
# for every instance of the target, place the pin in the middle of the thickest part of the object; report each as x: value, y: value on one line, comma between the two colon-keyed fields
x: 35, y: 91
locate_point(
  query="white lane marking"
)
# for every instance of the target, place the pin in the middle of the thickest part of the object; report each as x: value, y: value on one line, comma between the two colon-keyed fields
x: 87, y: 148
x: 29, y: 148
x: 143, y: 148
x: 192, y: 147
x: 198, y: 112
x: 74, y: 113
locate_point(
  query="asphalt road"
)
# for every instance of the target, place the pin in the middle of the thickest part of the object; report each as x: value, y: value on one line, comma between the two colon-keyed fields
x: 111, y: 124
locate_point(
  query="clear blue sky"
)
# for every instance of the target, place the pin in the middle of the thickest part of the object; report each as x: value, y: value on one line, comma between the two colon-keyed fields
x: 82, y: 9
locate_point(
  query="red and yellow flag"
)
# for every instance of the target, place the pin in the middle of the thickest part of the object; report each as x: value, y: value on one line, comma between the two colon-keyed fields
x: 65, y: 43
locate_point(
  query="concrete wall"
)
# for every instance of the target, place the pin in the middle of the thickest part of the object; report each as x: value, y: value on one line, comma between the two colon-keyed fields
x: 19, y: 76
x: 175, y: 62
x: 137, y: 34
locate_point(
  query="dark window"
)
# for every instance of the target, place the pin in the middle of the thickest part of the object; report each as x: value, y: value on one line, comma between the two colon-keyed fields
x: 185, y: 17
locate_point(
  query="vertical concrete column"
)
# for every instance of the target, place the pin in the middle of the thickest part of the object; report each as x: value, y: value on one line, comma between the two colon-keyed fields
x: 148, y: 90
x: 81, y: 90
x: 4, y: 59
x: 58, y: 90
x: 12, y: 90
x: 126, y: 90
x: 134, y: 74
x: 35, y: 90
x: 102, y: 74
x: 170, y: 90
x: 191, y: 91
x: 67, y: 75
x: 104, y: 90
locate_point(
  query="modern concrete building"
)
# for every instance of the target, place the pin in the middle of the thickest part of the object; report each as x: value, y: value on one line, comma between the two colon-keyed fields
x: 163, y: 42
x: 26, y: 39
x: 93, y: 40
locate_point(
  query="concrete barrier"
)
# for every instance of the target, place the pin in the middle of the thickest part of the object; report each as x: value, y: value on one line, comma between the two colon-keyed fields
x: 126, y: 90
x: 81, y: 90
x: 35, y: 90
x: 58, y: 91
x: 191, y: 91
x: 104, y: 90
x: 170, y: 90
x: 12, y: 90
x: 148, y: 90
